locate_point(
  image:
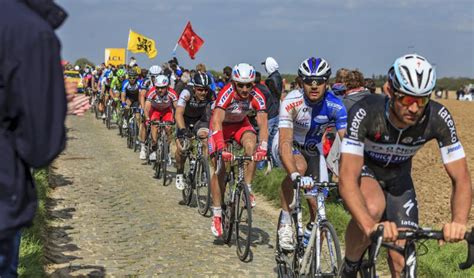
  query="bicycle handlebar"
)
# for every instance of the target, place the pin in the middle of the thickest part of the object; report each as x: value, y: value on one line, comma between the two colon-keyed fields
x: 327, y: 184
x: 419, y: 234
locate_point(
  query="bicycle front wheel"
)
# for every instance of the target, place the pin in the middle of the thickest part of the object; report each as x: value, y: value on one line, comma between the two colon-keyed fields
x: 329, y: 262
x: 187, y: 192
x: 243, y: 223
x: 164, y: 162
x: 203, y: 183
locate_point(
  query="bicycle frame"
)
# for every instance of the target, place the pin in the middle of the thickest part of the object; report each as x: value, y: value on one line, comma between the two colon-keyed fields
x: 306, y: 252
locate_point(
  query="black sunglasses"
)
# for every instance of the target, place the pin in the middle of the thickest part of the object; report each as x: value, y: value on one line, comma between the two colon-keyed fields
x: 314, y: 81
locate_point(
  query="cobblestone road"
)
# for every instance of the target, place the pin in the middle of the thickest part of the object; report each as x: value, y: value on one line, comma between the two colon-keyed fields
x: 111, y: 218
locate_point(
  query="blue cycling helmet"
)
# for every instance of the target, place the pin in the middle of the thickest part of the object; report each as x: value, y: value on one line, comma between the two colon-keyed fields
x: 314, y: 68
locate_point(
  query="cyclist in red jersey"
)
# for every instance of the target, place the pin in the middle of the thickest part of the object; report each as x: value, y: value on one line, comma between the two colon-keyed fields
x: 229, y: 120
x: 159, y: 105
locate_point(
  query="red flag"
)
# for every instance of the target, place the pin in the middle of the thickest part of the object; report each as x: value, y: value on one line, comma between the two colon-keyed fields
x: 190, y: 41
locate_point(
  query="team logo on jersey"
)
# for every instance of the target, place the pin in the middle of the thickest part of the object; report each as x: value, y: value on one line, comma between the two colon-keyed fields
x: 293, y: 105
x: 321, y: 119
x: 444, y: 114
x: 407, y: 140
x: 356, y: 121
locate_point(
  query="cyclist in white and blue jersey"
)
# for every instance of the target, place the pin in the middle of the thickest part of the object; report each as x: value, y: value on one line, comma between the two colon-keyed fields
x: 305, y: 115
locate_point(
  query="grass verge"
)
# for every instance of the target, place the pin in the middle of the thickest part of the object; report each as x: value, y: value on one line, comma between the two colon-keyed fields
x: 438, y: 262
x: 31, y: 249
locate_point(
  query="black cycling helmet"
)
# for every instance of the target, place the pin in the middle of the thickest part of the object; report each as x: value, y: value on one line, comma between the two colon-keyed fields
x: 201, y: 80
x: 132, y: 74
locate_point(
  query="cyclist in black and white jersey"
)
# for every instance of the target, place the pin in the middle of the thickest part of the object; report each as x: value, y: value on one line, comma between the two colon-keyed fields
x: 193, y: 109
x: 383, y: 134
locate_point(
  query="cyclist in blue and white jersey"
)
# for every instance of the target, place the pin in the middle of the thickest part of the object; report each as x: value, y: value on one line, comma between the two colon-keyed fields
x: 130, y: 94
x: 304, y: 116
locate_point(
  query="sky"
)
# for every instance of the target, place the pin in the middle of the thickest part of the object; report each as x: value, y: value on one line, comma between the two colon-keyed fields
x: 364, y: 34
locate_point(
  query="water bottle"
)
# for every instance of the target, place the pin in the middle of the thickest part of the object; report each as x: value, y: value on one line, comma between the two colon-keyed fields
x: 307, y: 233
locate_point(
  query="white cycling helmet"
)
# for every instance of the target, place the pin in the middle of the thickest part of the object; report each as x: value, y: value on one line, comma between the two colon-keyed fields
x: 314, y: 68
x: 155, y: 70
x: 77, y: 68
x: 413, y: 75
x: 243, y: 73
x: 161, y: 81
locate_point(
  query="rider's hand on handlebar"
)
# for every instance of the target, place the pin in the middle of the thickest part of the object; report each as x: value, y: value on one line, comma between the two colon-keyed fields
x: 390, y: 231
x: 453, y: 232
x: 218, y: 138
x: 261, y: 152
x: 305, y: 182
x: 226, y: 156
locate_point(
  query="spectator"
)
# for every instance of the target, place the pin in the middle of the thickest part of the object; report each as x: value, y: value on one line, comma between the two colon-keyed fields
x: 460, y: 93
x: 339, y: 88
x: 370, y: 85
x: 227, y: 71
x: 355, y: 88
x: 274, y: 81
x: 201, y: 68
x: 32, y: 131
x: 272, y: 104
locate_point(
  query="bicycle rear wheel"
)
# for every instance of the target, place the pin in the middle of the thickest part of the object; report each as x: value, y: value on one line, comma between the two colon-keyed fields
x: 135, y: 142
x: 202, y: 181
x: 187, y: 192
x: 243, y: 223
x: 330, y: 259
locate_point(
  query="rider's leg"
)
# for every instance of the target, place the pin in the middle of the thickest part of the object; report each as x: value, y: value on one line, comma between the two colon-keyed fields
x: 248, y: 141
x: 286, y: 193
x: 402, y: 208
x: 202, y: 134
x: 375, y: 202
x: 179, y: 158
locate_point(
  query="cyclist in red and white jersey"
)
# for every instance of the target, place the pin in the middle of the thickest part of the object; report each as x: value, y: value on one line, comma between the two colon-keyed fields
x: 229, y: 120
x: 159, y: 105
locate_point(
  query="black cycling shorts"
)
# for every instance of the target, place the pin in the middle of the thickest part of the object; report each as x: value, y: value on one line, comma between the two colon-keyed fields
x: 197, y: 124
x: 400, y: 197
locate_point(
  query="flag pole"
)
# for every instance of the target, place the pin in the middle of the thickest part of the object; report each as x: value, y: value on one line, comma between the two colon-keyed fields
x: 126, y: 48
x: 177, y: 43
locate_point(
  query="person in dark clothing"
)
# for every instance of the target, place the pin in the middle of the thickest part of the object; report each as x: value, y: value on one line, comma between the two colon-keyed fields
x: 227, y: 72
x: 272, y: 111
x: 33, y: 110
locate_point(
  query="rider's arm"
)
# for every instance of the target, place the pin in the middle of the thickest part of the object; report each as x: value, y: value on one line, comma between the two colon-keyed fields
x: 285, y: 143
x: 352, y: 160
x: 350, y: 168
x: 262, y: 122
x: 147, y: 110
x: 461, y: 198
x: 217, y: 118
x: 179, y: 115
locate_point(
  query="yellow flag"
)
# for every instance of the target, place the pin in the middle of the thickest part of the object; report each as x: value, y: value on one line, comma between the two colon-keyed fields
x: 138, y: 43
x: 115, y: 56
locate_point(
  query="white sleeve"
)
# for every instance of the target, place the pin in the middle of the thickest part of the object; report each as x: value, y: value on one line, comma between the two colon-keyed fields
x: 452, y: 152
x: 287, y: 111
x: 352, y: 146
x: 183, y: 98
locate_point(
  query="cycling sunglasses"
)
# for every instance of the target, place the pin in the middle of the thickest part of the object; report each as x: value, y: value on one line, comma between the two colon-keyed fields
x: 407, y: 100
x: 200, y: 89
x: 246, y: 85
x: 314, y: 81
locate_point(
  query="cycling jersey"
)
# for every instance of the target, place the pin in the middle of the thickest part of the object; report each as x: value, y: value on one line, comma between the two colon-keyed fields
x: 116, y: 84
x: 370, y: 134
x: 193, y: 108
x: 236, y: 109
x: 131, y: 90
x: 310, y: 120
x: 161, y: 102
x: 146, y: 84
